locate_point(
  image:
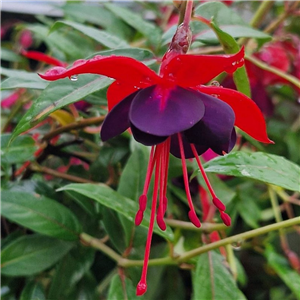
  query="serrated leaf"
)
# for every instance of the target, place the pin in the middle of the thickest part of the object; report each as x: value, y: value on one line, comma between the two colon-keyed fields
x: 268, y: 168
x: 57, y: 95
x: 112, y: 199
x: 212, y: 280
x: 137, y: 22
x: 40, y: 214
x: 31, y: 254
x: 21, y: 79
x: 33, y: 291
x: 20, y: 150
x: 104, y: 38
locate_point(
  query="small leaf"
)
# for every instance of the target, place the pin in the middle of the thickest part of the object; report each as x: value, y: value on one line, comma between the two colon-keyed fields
x: 268, y: 168
x: 57, y: 95
x: 31, y: 254
x: 122, y: 290
x: 33, y: 291
x: 212, y: 279
x: 40, y: 214
x: 62, y: 117
x: 104, y: 38
x: 137, y: 22
x: 110, y: 198
x: 20, y: 150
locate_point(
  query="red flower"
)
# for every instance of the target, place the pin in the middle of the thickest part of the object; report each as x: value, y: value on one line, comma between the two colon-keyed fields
x: 173, y: 112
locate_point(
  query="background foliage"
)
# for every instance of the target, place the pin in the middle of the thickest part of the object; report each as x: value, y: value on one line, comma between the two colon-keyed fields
x: 69, y: 200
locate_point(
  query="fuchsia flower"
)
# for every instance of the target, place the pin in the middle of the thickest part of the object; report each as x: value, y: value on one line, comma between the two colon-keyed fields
x: 172, y: 112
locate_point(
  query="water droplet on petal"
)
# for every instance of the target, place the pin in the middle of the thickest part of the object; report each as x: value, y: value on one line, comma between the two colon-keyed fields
x: 79, y: 62
x: 215, y: 83
x: 55, y: 71
x: 74, y: 77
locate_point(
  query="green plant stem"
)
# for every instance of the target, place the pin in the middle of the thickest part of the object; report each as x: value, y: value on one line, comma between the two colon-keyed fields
x: 263, y: 66
x: 185, y: 257
x: 206, y: 227
x: 260, y: 13
x: 237, y: 238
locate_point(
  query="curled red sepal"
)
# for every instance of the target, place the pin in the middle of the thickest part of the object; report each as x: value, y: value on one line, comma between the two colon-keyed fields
x: 141, y: 288
x: 248, y: 116
x: 225, y: 218
x: 122, y: 68
x: 192, y: 70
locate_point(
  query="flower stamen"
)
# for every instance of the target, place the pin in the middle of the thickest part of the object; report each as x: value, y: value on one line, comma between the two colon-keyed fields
x: 192, y: 214
x: 216, y: 201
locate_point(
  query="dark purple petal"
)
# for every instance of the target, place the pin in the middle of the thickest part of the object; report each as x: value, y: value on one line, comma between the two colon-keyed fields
x: 165, y: 111
x: 188, y: 153
x: 117, y: 120
x: 215, y: 128
x: 146, y: 138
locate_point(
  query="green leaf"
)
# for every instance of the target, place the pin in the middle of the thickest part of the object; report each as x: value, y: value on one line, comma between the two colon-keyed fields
x: 33, y: 291
x: 69, y: 272
x: 9, y: 55
x: 97, y: 15
x: 20, y: 150
x: 112, y: 199
x: 230, y: 46
x: 57, y: 95
x: 149, y: 30
x: 228, y: 20
x: 118, y: 291
x: 104, y: 38
x: 268, y: 168
x: 212, y: 279
x: 236, y: 31
x: 40, y: 214
x: 281, y: 266
x: 21, y: 79
x: 31, y: 254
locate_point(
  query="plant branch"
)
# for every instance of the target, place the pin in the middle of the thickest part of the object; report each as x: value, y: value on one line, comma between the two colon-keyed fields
x: 76, y: 125
x: 125, y: 263
x: 264, y: 66
x: 206, y: 227
x: 41, y: 169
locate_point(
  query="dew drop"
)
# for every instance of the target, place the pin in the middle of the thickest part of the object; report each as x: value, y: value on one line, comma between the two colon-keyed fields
x: 74, y: 78
x: 237, y: 245
x: 215, y: 83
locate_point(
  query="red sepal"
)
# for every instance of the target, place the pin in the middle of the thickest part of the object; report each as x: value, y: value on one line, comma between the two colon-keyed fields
x: 192, y: 70
x: 248, y: 116
x: 124, y: 69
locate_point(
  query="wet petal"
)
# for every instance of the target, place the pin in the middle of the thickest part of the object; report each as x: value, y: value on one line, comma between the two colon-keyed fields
x: 121, y: 68
x: 146, y: 138
x: 117, y: 91
x: 192, y: 70
x: 175, y: 150
x: 117, y: 119
x: 248, y: 116
x: 164, y: 111
x: 215, y: 129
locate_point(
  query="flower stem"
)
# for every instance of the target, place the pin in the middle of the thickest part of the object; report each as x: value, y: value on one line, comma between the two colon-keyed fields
x: 125, y: 263
x: 263, y: 66
x: 188, y: 13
